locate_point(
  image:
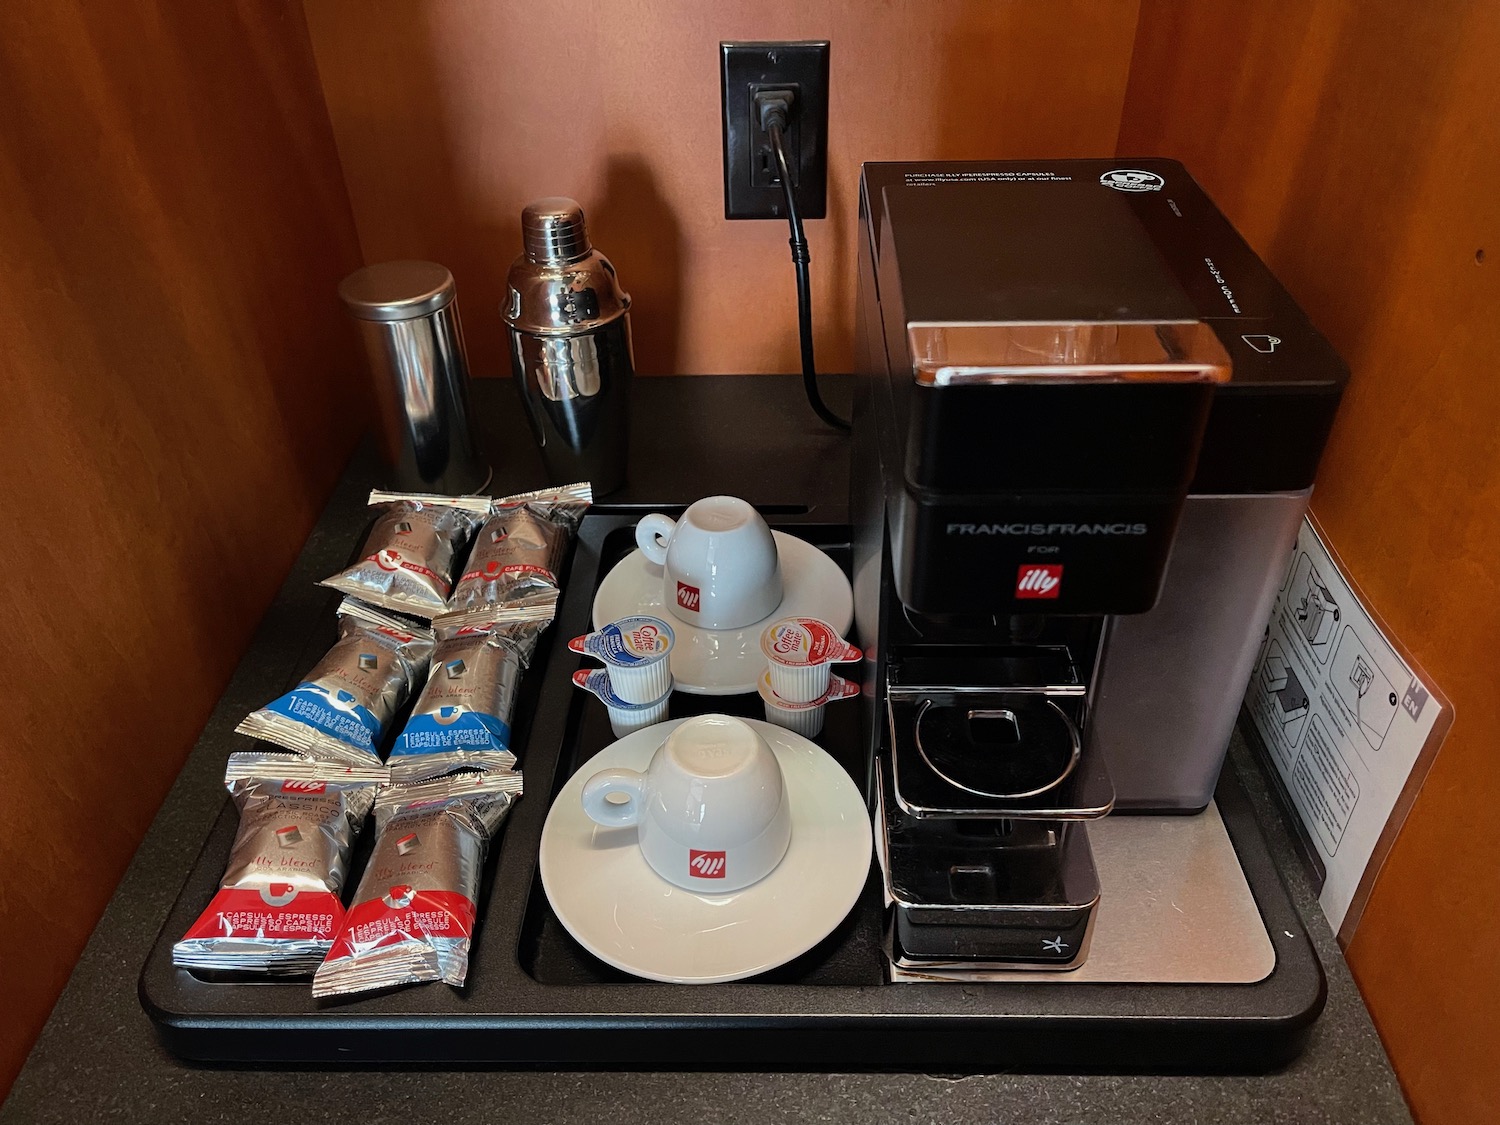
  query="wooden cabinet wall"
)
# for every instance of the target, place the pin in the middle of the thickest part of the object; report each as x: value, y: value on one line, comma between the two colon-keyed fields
x: 178, y: 396
x: 1356, y: 144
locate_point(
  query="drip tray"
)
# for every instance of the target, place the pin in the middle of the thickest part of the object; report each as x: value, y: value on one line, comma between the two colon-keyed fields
x: 535, y: 998
x: 1178, y: 909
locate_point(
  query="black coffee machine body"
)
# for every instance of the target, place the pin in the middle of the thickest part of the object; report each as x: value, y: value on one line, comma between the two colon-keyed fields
x: 1079, y: 464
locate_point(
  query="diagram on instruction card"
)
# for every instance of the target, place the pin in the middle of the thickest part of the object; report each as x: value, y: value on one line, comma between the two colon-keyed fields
x: 1317, y: 613
x: 1364, y: 688
x: 1342, y: 715
x: 1278, y: 679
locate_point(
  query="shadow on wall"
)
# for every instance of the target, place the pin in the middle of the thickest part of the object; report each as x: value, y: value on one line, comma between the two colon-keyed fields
x: 636, y: 229
x: 425, y: 181
x: 1012, y: 80
x: 450, y: 117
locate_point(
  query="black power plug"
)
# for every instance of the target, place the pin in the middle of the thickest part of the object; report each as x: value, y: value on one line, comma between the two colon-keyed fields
x: 774, y: 106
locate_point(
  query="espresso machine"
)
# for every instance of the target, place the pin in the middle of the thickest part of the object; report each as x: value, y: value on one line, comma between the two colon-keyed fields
x: 1085, y: 434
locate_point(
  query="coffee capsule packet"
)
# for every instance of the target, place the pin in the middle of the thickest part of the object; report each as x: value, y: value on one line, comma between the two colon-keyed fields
x: 340, y: 712
x: 463, y: 716
x: 407, y: 562
x: 518, y: 551
x: 277, y: 908
x: 413, y: 915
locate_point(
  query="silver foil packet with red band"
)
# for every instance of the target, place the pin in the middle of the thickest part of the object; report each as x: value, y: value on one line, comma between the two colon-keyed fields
x: 413, y: 915
x: 406, y: 564
x: 341, y: 710
x: 463, y: 716
x: 277, y: 908
x: 518, y: 552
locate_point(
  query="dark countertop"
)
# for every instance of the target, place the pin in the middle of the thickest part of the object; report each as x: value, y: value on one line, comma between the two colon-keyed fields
x: 98, y: 1059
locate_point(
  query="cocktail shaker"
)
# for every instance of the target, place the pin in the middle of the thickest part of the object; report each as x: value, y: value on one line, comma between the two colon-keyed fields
x: 570, y: 346
x: 408, y: 314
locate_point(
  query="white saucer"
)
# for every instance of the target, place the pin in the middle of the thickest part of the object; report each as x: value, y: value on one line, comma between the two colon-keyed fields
x: 728, y: 661
x: 629, y: 916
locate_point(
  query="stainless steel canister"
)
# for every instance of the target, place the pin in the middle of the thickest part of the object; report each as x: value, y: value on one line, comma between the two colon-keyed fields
x: 408, y: 312
x: 570, y: 346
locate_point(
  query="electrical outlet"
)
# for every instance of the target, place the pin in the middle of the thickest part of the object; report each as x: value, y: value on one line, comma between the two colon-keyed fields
x: 752, y: 186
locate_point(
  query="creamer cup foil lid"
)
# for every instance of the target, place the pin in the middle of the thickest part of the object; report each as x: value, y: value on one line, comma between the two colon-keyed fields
x: 628, y: 642
x: 596, y: 680
x: 838, y: 688
x: 806, y: 641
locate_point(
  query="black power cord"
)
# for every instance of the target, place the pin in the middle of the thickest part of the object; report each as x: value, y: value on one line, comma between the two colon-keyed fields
x: 775, y: 108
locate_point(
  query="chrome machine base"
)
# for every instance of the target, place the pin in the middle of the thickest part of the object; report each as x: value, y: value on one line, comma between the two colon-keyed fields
x: 1175, y: 909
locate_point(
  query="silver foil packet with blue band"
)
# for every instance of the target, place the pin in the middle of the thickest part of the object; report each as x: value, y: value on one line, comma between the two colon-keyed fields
x: 463, y: 716
x: 407, y: 562
x: 342, y: 709
x: 277, y: 908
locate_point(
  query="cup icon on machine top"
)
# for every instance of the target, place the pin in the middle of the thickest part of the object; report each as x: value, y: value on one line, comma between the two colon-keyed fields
x: 720, y: 568
x: 1262, y: 343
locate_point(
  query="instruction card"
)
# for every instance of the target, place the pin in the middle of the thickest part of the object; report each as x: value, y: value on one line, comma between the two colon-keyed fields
x: 1345, y: 720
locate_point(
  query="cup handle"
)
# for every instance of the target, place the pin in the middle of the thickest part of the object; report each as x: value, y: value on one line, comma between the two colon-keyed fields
x: 652, y: 535
x: 601, y: 810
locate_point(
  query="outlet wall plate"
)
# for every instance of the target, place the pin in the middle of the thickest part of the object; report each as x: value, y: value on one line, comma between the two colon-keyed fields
x: 751, y: 187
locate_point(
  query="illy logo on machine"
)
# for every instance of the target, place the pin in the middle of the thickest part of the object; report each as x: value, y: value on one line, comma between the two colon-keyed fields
x: 688, y: 597
x: 706, y: 865
x: 1039, y: 580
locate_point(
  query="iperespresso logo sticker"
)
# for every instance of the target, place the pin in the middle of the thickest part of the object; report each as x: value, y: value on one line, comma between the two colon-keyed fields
x: 1132, y: 179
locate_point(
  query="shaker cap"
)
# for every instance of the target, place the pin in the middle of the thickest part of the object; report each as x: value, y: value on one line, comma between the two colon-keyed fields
x: 553, y: 230
x: 397, y: 290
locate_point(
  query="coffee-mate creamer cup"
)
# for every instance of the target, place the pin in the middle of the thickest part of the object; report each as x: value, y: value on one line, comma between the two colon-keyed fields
x: 636, y: 651
x: 799, y: 651
x: 624, y: 718
x: 805, y: 719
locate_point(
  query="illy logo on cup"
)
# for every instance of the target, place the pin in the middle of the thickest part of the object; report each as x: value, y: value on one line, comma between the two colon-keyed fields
x: 1039, y: 580
x: 706, y: 865
x: 688, y: 597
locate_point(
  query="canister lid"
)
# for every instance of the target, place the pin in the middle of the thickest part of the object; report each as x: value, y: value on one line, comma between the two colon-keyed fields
x: 397, y: 290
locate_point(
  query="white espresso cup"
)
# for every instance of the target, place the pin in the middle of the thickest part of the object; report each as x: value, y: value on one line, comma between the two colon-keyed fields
x: 710, y: 811
x: 720, y: 567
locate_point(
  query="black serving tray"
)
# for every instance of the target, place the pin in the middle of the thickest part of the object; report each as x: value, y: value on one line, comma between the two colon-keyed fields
x: 535, y: 997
